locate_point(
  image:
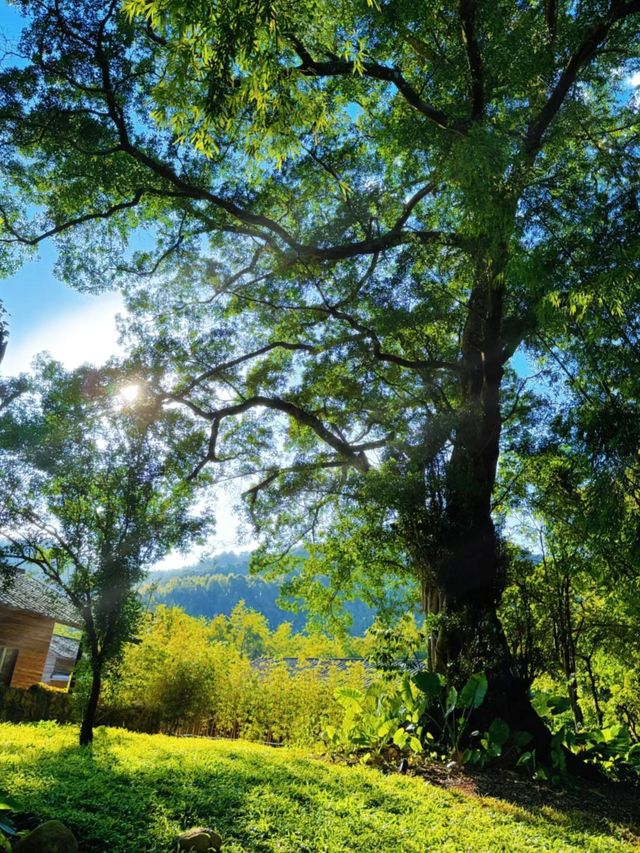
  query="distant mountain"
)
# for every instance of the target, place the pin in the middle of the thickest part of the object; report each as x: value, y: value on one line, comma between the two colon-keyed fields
x: 226, y: 563
x: 216, y: 585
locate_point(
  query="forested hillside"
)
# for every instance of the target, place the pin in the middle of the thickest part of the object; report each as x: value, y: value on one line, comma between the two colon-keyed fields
x: 225, y: 563
x: 218, y: 584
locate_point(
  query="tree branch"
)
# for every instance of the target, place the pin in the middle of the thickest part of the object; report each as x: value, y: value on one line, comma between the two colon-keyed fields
x: 467, y: 11
x: 70, y: 223
x: 340, y: 68
x: 253, y: 492
x: 551, y: 17
x: 582, y: 56
x: 234, y: 362
x: 318, y: 465
x: 413, y: 364
x: 353, y: 454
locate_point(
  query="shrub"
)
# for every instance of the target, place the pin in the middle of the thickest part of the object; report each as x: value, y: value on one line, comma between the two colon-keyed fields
x: 185, y: 676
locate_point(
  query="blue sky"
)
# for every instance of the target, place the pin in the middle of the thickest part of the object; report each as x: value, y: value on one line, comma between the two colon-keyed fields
x: 45, y: 314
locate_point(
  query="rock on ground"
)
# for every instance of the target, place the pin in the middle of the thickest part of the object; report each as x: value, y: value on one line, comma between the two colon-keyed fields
x: 200, y: 840
x: 50, y: 837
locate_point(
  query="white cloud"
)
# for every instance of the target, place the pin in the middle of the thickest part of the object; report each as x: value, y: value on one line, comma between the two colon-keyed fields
x: 86, y: 334
x: 634, y: 80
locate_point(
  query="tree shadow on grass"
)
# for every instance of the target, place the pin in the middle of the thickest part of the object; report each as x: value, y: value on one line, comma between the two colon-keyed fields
x: 135, y: 793
x: 588, y: 806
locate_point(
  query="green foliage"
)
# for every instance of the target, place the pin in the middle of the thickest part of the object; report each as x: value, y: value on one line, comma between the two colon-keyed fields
x: 380, y: 715
x: 137, y: 792
x: 355, y: 214
x: 414, y: 712
x: 395, y: 648
x: 449, y: 710
x: 614, y: 748
x: 196, y: 675
x: 94, y: 490
x: 39, y: 702
x: 7, y: 827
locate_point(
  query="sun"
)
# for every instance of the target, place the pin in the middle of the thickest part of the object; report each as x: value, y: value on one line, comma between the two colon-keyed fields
x: 130, y: 393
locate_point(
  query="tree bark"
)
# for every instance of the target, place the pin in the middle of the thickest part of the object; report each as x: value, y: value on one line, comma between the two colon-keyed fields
x: 464, y: 580
x: 89, y: 716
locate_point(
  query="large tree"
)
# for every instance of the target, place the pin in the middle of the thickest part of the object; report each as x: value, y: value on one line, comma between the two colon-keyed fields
x: 92, y: 492
x: 359, y: 212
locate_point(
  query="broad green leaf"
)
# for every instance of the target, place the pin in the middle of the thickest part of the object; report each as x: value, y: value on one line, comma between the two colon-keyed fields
x: 473, y: 693
x: 400, y: 738
x: 429, y: 682
x: 499, y: 732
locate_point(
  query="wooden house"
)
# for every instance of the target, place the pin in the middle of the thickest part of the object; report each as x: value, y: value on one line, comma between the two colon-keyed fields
x: 29, y: 609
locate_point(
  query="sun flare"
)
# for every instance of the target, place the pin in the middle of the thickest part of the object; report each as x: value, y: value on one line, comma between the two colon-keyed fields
x: 130, y: 393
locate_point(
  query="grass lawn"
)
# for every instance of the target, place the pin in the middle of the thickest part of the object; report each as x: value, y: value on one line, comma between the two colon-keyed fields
x: 136, y: 792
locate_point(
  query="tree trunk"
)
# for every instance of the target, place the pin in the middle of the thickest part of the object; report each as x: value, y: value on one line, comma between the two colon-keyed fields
x: 594, y: 689
x: 464, y: 580
x: 89, y: 716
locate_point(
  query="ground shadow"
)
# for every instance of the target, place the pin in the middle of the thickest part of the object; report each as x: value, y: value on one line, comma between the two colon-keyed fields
x: 590, y: 805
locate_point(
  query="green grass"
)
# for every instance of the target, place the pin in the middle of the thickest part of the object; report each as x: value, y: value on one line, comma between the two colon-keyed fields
x: 136, y: 792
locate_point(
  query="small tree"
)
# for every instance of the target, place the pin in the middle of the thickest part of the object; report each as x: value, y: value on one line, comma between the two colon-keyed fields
x: 94, y: 492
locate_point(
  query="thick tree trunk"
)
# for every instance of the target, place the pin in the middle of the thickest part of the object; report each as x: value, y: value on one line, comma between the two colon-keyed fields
x: 89, y: 716
x: 464, y: 580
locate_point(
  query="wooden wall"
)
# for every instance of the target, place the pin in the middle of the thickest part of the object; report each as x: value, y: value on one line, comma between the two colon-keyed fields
x: 31, y: 635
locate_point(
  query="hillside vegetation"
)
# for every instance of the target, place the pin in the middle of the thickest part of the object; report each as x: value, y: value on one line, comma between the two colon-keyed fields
x: 137, y: 792
x: 218, y: 584
x: 186, y: 672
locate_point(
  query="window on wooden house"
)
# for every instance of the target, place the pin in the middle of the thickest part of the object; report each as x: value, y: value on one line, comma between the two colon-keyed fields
x: 8, y: 659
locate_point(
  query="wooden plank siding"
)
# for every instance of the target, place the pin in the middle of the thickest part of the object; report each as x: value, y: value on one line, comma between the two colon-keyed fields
x: 31, y: 635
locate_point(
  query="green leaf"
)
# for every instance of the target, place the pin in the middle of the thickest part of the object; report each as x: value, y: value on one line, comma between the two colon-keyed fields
x: 558, y: 705
x: 8, y: 830
x: 520, y: 739
x: 473, y: 693
x: 430, y: 683
x: 452, y: 700
x: 349, y: 698
x: 499, y: 732
x: 385, y: 729
x: 400, y: 738
x: 415, y: 744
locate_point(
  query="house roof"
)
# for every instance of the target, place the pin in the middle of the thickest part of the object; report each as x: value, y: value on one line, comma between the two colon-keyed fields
x: 64, y: 647
x: 294, y: 664
x: 22, y: 591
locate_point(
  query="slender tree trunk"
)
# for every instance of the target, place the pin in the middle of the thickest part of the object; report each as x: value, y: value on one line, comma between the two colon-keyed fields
x: 569, y: 650
x: 594, y: 689
x: 89, y: 716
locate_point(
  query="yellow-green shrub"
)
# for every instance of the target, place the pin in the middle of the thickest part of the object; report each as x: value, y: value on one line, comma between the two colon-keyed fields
x: 194, y: 674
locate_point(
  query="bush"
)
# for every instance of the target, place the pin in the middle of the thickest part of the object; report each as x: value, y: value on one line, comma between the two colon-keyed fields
x: 188, y: 679
x: 37, y: 703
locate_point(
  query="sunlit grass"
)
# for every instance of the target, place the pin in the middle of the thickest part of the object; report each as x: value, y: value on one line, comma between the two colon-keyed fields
x: 136, y: 792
